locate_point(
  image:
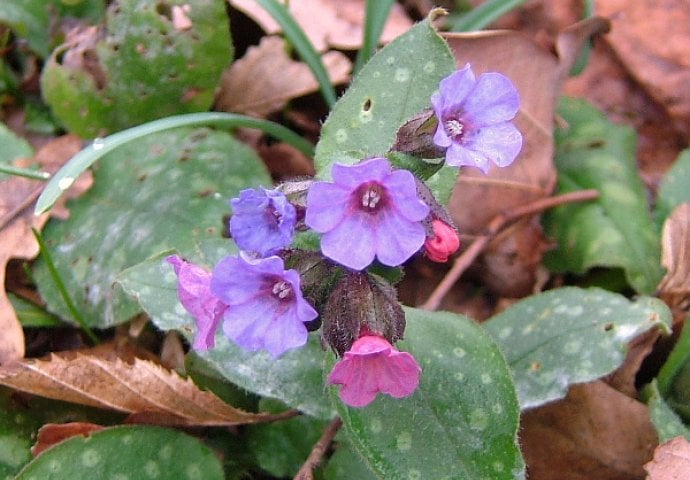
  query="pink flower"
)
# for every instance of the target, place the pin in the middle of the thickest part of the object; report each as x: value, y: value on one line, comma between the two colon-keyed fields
x: 194, y: 292
x: 443, y: 244
x: 371, y: 366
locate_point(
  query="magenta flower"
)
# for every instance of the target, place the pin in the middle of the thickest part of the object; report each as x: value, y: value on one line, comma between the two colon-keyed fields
x: 266, y: 309
x: 443, y: 244
x: 474, y: 119
x: 368, y: 211
x: 263, y: 221
x: 371, y: 366
x: 194, y: 292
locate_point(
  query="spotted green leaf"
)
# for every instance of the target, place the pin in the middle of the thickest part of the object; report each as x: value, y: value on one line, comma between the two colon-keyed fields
x: 674, y: 188
x: 667, y: 423
x: 570, y: 335
x: 127, y: 452
x: 462, y: 420
x: 156, y: 59
x: 616, y: 230
x: 167, y: 191
x: 295, y: 378
x: 393, y: 86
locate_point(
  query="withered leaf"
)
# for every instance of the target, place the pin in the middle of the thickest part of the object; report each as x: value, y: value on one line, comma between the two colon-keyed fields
x: 17, y: 198
x: 339, y: 22
x: 671, y: 461
x: 140, y: 387
x: 53, y: 433
x: 595, y: 432
x: 674, y: 288
x: 266, y: 78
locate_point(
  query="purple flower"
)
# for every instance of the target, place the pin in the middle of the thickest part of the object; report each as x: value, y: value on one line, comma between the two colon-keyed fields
x: 474, y: 119
x: 371, y: 366
x: 194, y: 292
x: 266, y: 309
x: 263, y: 221
x: 370, y: 210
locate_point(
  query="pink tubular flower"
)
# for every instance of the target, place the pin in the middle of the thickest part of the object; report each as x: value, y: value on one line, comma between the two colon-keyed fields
x: 443, y: 244
x: 475, y: 119
x: 369, y: 210
x: 371, y: 366
x: 194, y: 292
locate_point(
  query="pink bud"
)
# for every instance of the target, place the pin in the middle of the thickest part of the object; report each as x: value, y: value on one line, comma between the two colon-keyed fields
x: 444, y: 242
x: 371, y: 366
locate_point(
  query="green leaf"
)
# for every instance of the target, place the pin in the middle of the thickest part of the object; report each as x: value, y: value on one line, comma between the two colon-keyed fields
x: 462, y: 420
x: 167, y: 191
x: 127, y: 452
x: 668, y: 425
x: 346, y: 464
x: 145, y: 68
x: 13, y: 147
x: 674, y: 188
x: 570, y: 335
x: 31, y: 315
x: 282, y: 447
x: 396, y: 84
x: 676, y: 361
x: 616, y: 230
x: 295, y: 378
x: 484, y: 14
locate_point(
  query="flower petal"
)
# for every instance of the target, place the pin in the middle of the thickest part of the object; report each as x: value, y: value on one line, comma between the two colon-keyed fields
x: 397, y: 238
x: 399, y: 375
x: 326, y: 205
x: 402, y: 189
x: 351, y: 176
x: 353, y: 242
x: 455, y: 88
x: 493, y: 100
x: 500, y: 143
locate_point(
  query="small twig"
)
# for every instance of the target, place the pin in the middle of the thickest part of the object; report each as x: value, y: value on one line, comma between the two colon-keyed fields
x: 277, y: 417
x: 319, y: 450
x: 499, y: 222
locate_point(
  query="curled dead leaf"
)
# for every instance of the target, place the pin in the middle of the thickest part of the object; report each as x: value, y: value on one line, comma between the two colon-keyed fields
x: 674, y: 288
x: 53, y: 433
x: 251, y: 85
x: 142, y: 388
x: 671, y: 461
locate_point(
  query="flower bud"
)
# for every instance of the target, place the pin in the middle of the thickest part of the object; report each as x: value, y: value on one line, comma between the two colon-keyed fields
x: 443, y: 244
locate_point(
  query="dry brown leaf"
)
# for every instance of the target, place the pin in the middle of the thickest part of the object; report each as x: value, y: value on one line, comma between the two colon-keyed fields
x: 17, y: 199
x: 671, y: 461
x: 538, y: 75
x: 674, y: 288
x: 266, y: 78
x: 652, y: 39
x: 595, y: 432
x: 53, y: 433
x: 328, y: 23
x: 139, y: 387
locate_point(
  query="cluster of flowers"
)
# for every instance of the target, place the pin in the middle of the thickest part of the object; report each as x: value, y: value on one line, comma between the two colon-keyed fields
x: 269, y: 296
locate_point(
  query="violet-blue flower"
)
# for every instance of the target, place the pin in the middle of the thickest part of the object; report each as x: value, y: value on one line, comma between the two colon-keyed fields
x: 368, y: 211
x: 266, y: 309
x: 194, y: 293
x: 263, y: 221
x: 474, y: 119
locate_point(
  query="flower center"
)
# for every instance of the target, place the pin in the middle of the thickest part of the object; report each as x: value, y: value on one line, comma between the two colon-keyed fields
x: 282, y: 289
x: 273, y: 214
x: 371, y: 197
x: 453, y: 128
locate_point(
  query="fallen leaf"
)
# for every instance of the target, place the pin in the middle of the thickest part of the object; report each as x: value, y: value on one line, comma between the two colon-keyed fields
x: 251, y: 85
x: 142, y: 388
x: 339, y: 23
x: 671, y: 461
x: 595, y: 432
x: 652, y: 40
x: 674, y: 288
x: 54, y: 433
x: 17, y: 198
x: 538, y: 75
x: 625, y: 376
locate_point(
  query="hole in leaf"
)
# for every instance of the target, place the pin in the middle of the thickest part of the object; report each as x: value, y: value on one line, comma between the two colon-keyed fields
x: 608, y: 327
x: 366, y: 106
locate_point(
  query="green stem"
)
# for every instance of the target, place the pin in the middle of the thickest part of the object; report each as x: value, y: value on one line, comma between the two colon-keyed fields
x: 485, y: 14
x: 64, y: 178
x: 24, y: 172
x: 55, y: 275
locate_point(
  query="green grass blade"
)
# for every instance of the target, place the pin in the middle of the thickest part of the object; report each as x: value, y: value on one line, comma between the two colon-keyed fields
x: 484, y: 14
x: 64, y: 178
x: 298, y: 39
x: 376, y: 15
x: 585, y: 53
x: 45, y: 253
x: 24, y: 172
